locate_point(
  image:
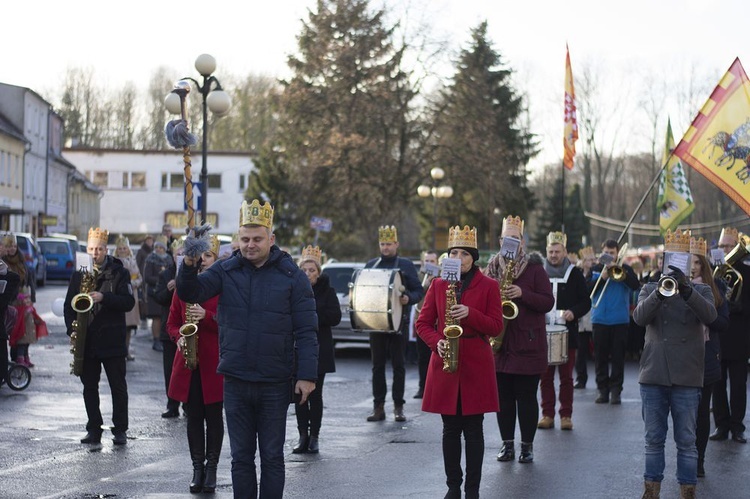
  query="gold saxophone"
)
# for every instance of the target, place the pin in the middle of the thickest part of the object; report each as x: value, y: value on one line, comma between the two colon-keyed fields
x: 452, y: 332
x: 510, y: 309
x: 82, y: 303
x: 189, y: 333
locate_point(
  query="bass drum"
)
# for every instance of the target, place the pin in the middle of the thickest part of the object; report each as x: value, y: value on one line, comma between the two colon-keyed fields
x: 557, y: 345
x: 374, y: 300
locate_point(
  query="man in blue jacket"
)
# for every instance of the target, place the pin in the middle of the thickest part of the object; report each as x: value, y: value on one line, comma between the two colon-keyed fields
x: 610, y: 316
x: 266, y: 318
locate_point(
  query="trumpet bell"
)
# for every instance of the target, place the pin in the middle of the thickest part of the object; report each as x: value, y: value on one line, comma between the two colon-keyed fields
x: 510, y: 310
x: 82, y: 303
x: 667, y: 286
x: 453, y: 331
x: 617, y: 273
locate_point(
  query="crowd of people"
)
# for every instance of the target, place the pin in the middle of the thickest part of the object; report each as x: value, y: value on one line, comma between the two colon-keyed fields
x: 246, y: 335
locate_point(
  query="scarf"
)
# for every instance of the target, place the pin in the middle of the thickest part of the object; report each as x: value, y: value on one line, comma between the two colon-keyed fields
x: 556, y: 271
x: 497, y: 264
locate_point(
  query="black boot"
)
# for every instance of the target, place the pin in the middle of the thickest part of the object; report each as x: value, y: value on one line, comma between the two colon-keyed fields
x: 453, y: 493
x: 196, y: 484
x: 313, y: 447
x: 603, y: 397
x: 214, y: 438
x: 507, y: 451
x: 527, y: 453
x: 302, y: 444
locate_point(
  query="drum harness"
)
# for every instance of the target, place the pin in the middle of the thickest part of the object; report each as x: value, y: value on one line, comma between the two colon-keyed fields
x: 555, y: 281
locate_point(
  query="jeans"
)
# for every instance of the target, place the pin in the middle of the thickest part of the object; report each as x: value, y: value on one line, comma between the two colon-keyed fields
x: 381, y: 344
x: 92, y: 371
x: 565, y: 372
x: 682, y: 401
x: 256, y: 419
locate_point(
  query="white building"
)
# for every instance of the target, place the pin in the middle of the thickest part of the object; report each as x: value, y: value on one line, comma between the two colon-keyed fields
x: 145, y: 189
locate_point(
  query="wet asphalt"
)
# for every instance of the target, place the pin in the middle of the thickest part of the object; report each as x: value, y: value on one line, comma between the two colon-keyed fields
x: 41, y: 457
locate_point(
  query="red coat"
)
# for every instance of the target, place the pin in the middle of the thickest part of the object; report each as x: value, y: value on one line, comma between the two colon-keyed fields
x: 208, y: 354
x: 475, y: 376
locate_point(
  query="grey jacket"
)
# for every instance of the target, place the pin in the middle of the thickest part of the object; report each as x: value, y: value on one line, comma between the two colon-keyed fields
x: 674, y: 349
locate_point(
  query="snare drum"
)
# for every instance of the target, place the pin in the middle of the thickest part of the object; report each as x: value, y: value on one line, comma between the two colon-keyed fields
x: 375, y: 300
x: 557, y: 345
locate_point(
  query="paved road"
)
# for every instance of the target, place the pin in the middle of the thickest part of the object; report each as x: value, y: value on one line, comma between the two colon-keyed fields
x: 40, y: 455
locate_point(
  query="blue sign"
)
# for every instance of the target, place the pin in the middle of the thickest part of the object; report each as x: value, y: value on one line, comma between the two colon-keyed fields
x: 321, y: 224
x: 197, y: 196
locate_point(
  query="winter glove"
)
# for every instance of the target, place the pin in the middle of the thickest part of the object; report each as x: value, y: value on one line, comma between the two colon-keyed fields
x: 683, y: 285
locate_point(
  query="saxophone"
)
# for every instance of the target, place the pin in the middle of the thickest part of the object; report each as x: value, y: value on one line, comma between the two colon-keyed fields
x: 82, y: 303
x: 189, y: 334
x: 452, y: 332
x: 510, y: 309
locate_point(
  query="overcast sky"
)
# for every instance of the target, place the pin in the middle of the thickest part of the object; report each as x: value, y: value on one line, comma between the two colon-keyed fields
x: 127, y: 41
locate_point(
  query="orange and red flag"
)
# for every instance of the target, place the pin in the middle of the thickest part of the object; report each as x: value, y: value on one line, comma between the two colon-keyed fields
x: 717, y: 144
x: 571, y: 124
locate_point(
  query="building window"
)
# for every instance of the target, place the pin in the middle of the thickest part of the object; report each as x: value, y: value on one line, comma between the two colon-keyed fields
x: 214, y: 181
x: 100, y: 179
x: 138, y: 180
x: 243, y: 182
x: 173, y: 181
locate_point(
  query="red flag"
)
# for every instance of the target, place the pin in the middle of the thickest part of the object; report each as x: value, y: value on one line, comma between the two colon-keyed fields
x: 571, y: 125
x: 717, y: 144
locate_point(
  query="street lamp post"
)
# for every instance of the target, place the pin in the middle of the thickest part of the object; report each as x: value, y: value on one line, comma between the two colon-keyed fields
x: 214, y: 98
x: 436, y: 191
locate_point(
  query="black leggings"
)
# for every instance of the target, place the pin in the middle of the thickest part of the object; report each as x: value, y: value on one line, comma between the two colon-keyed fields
x: 518, y: 394
x: 703, y: 426
x: 472, y: 429
x: 204, y: 442
x: 310, y: 414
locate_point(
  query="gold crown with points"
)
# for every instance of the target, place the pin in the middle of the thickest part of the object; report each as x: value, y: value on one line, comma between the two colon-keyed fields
x: 511, y: 222
x: 557, y: 238
x: 677, y: 241
x: 312, y: 253
x: 178, y: 243
x: 587, y: 252
x: 730, y: 232
x: 462, y: 238
x: 9, y: 239
x: 698, y: 246
x: 256, y: 214
x: 213, y: 240
x: 98, y: 235
x: 387, y: 234
x: 122, y: 241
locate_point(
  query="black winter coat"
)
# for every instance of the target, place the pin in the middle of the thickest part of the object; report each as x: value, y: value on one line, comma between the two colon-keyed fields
x: 734, y: 341
x: 163, y: 296
x: 573, y: 295
x: 8, y: 296
x: 105, y: 337
x: 329, y: 314
x: 712, y: 367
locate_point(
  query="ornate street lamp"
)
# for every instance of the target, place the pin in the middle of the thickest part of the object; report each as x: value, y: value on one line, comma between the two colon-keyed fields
x: 214, y: 98
x: 436, y: 191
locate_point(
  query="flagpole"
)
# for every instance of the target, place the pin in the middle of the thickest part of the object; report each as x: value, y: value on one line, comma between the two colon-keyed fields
x: 643, y: 200
x: 562, y: 201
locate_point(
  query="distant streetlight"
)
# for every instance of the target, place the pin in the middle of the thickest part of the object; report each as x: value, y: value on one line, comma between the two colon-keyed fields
x: 214, y: 98
x: 436, y: 191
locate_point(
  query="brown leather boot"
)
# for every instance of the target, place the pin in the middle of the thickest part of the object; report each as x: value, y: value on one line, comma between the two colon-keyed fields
x: 651, y: 490
x: 398, y: 413
x: 687, y: 491
x: 378, y: 413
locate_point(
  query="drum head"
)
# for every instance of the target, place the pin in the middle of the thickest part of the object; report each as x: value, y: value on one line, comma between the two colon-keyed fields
x: 374, y: 300
x: 396, y: 309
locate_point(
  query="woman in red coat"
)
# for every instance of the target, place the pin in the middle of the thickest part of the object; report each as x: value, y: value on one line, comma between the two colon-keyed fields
x: 462, y: 397
x: 200, y: 389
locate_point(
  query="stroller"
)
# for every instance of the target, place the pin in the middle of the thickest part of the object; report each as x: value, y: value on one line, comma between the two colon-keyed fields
x: 18, y: 377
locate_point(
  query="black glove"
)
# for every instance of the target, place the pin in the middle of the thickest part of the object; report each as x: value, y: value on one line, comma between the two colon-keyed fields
x: 683, y: 285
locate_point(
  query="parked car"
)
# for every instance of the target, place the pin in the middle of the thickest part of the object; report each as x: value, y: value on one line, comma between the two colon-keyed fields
x: 340, y: 275
x: 34, y: 257
x: 60, y: 254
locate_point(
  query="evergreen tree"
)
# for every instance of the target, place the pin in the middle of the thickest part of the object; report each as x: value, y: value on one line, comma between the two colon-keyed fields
x: 551, y: 217
x: 481, y: 141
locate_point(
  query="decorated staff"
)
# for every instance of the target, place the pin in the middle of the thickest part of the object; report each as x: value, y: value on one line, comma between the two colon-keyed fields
x: 179, y: 136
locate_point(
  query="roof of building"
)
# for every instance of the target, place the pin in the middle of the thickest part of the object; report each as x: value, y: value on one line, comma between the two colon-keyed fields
x: 9, y: 129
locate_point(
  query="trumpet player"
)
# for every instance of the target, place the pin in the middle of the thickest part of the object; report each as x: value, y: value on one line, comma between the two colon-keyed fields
x: 201, y: 389
x: 610, y: 285
x: 463, y: 396
x: 522, y: 358
x: 105, y: 339
x: 729, y: 410
x: 674, y: 312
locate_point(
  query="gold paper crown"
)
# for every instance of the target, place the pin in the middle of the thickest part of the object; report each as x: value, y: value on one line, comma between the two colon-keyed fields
x: 557, y: 238
x: 98, y: 235
x: 122, y: 241
x: 730, y: 232
x: 462, y: 238
x: 387, y: 234
x: 587, y: 252
x: 312, y: 253
x: 255, y: 214
x: 9, y: 239
x: 178, y: 242
x: 215, y: 244
x: 698, y: 246
x: 513, y: 222
x: 678, y: 241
